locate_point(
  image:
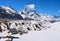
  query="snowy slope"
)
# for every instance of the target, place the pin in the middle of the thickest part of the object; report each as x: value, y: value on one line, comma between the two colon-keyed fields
x: 7, y: 12
x: 8, y: 9
x: 40, y: 36
x: 55, y: 26
x: 44, y: 35
x: 52, y: 33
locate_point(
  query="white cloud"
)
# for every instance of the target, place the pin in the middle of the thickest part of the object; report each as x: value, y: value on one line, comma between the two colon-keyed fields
x: 31, y: 6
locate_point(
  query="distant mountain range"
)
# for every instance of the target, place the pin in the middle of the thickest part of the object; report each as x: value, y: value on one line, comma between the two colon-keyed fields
x: 28, y: 13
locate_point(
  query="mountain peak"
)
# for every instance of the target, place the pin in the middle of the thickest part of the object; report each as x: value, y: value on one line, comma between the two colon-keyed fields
x: 8, y: 9
x: 7, y: 12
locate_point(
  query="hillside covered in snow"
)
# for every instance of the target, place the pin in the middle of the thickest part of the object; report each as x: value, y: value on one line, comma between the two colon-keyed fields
x: 28, y: 25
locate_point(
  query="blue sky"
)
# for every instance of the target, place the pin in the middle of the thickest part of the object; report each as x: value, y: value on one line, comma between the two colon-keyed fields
x: 50, y: 7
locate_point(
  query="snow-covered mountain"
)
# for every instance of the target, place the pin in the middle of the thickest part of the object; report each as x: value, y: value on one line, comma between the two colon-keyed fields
x: 6, y: 12
x: 30, y: 13
x: 30, y: 20
x: 8, y: 9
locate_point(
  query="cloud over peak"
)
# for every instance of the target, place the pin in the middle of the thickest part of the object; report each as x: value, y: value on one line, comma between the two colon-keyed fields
x: 31, y: 6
